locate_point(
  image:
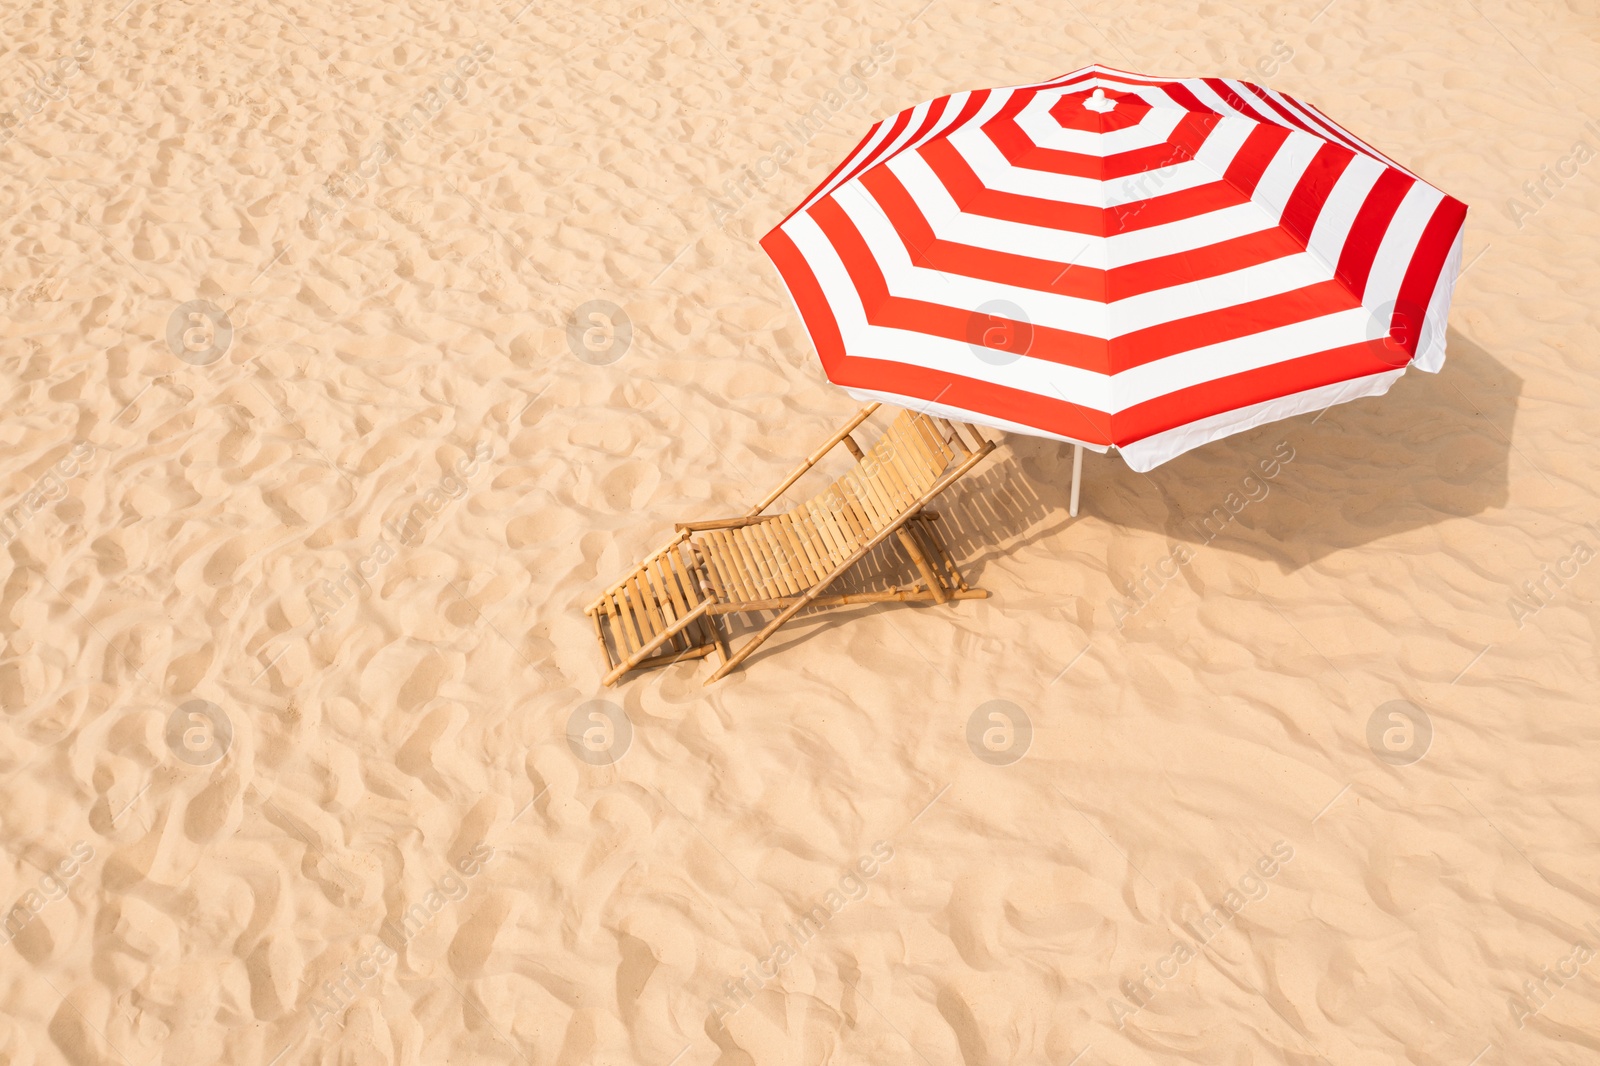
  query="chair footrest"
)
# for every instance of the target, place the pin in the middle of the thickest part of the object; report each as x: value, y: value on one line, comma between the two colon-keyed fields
x: 655, y: 615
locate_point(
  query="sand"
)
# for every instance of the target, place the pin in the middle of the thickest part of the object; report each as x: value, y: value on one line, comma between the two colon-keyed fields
x: 291, y: 591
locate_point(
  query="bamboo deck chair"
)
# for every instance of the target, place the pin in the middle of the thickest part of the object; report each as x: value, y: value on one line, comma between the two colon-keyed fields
x: 668, y: 607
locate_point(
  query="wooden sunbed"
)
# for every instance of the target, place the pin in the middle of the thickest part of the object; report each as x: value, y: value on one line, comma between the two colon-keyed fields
x: 669, y: 607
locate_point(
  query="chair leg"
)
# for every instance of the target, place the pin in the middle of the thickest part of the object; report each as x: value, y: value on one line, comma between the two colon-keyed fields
x: 716, y: 639
x: 929, y: 578
x: 944, y: 564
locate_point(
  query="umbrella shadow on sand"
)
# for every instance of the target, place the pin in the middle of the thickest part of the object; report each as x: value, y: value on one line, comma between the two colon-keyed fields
x: 1435, y: 447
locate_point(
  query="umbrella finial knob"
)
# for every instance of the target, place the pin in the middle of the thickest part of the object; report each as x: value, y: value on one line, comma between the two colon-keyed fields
x: 1099, y: 102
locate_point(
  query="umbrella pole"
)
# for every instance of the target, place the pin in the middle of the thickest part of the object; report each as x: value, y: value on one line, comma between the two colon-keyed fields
x: 1077, y: 473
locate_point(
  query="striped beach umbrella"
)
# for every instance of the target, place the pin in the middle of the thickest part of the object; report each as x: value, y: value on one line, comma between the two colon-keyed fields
x: 1120, y: 261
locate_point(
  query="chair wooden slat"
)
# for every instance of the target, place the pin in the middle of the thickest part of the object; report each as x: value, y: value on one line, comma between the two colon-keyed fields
x: 799, y: 556
x: 661, y: 592
x: 810, y: 544
x: 893, y: 456
x: 717, y: 557
x: 912, y: 460
x: 832, y: 539
x: 894, y: 439
x: 777, y: 558
x: 735, y: 566
x: 819, y: 540
x: 717, y: 545
x: 628, y: 628
x: 755, y: 566
x: 660, y: 611
x: 776, y: 554
x: 889, y: 495
x: 935, y: 440
x: 677, y: 589
x: 928, y: 437
x: 847, y: 515
x: 685, y: 573
x: 652, y: 596
x: 705, y: 553
x: 857, y: 497
x: 614, y: 621
x: 831, y: 505
x: 840, y: 506
x: 792, y: 561
x: 882, y: 485
x: 872, y: 479
x: 628, y: 603
x: 642, y: 610
x: 713, y: 585
x: 856, y: 509
x: 893, y: 477
x: 844, y: 540
x: 919, y: 460
x: 744, y: 552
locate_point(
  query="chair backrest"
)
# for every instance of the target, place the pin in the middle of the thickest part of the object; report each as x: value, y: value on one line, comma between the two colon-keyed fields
x: 889, y: 477
x: 787, y: 553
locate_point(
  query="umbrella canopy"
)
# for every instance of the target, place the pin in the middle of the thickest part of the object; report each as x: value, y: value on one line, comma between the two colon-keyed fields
x: 1120, y: 261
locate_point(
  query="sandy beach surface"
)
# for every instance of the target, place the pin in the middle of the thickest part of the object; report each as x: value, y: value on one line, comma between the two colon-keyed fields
x: 348, y: 349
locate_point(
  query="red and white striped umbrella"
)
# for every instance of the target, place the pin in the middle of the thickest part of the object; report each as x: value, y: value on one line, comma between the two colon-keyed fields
x: 1121, y: 261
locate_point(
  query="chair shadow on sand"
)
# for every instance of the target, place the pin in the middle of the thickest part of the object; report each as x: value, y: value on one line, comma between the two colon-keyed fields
x: 995, y: 509
x: 1435, y: 447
